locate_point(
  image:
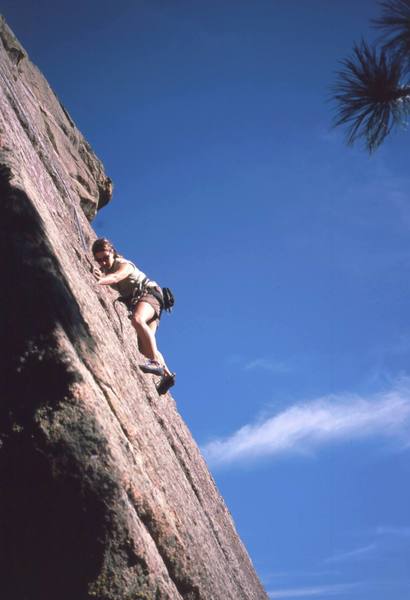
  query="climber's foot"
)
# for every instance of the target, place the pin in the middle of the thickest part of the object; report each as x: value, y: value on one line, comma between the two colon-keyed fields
x: 167, y: 381
x: 153, y: 367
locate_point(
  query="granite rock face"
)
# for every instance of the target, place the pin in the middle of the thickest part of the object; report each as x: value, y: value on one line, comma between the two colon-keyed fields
x: 31, y: 110
x: 104, y: 494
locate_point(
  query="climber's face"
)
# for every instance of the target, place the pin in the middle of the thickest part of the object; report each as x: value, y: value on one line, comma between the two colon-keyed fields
x: 105, y: 259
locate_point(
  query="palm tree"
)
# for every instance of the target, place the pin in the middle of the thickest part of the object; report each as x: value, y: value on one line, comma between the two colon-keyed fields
x: 395, y: 25
x: 372, y: 90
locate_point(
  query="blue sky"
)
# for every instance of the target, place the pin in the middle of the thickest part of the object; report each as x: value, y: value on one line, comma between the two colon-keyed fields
x: 289, y: 255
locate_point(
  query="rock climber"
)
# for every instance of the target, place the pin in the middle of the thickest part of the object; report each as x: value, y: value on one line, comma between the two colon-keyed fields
x: 144, y: 300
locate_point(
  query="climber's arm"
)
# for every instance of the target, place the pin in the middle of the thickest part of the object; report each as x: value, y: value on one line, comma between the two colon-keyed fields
x: 121, y: 273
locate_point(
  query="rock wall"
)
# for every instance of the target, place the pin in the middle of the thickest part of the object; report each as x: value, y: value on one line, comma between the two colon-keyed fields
x: 104, y: 493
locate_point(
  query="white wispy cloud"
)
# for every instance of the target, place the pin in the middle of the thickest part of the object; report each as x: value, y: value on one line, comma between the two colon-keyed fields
x: 394, y: 531
x: 267, y: 364
x: 308, y: 592
x: 306, y: 426
x: 357, y: 553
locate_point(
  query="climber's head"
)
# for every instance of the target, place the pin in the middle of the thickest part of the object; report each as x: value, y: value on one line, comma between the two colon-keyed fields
x: 104, y: 253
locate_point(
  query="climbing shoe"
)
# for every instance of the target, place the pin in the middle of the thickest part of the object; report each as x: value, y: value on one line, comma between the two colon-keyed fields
x: 166, y: 383
x: 153, y: 367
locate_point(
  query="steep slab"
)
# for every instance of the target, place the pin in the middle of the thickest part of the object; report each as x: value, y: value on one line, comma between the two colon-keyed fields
x: 104, y: 493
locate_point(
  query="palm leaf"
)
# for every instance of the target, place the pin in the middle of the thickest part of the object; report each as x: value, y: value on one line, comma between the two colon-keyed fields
x: 395, y: 24
x: 370, y: 95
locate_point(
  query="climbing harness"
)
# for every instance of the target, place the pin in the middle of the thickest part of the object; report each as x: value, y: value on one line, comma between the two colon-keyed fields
x: 166, y: 299
x: 140, y: 289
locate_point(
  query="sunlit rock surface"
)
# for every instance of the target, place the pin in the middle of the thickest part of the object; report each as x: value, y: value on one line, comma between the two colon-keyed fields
x: 104, y: 493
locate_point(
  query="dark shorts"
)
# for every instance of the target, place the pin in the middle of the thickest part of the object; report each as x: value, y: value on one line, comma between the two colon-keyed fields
x: 152, y: 301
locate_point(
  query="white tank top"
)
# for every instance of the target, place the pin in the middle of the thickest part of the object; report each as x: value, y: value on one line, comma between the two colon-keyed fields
x: 126, y: 286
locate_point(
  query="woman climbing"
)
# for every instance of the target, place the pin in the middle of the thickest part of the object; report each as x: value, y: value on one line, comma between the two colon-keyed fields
x: 144, y: 301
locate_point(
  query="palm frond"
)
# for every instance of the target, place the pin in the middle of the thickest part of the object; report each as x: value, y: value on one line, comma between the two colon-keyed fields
x: 370, y: 95
x: 395, y: 25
